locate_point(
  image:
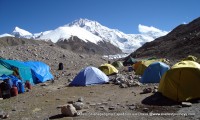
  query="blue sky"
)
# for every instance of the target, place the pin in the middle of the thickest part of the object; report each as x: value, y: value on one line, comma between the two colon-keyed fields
x: 124, y: 15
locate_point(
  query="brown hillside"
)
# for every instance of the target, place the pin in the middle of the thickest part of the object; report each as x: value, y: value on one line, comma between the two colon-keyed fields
x: 13, y: 41
x: 182, y: 41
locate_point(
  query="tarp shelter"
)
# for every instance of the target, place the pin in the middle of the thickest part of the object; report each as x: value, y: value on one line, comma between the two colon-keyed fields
x: 154, y: 72
x: 108, y: 69
x: 5, y: 71
x: 181, y: 82
x: 129, y: 61
x: 40, y: 71
x: 20, y: 70
x: 89, y: 76
x: 117, y: 64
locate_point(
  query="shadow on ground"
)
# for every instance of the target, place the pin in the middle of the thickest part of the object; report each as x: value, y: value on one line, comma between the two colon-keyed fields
x: 56, y: 116
x: 159, y: 100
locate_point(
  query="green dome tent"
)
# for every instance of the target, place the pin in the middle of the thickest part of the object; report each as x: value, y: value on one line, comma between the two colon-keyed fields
x: 129, y: 61
x: 117, y: 64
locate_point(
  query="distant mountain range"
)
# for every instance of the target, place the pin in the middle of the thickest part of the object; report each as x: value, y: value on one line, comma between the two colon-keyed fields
x: 94, y: 33
x: 182, y: 41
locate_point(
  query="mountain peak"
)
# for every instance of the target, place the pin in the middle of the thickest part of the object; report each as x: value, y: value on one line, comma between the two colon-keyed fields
x: 20, y: 32
x: 83, y: 22
x: 16, y: 28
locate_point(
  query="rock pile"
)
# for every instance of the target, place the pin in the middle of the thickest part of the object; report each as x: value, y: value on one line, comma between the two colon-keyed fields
x: 125, y: 80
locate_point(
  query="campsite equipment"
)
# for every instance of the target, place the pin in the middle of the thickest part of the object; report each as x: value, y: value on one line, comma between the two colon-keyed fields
x: 14, y: 91
x: 28, y: 85
x: 136, y: 65
x: 5, y: 90
x: 130, y: 68
x: 15, y: 81
x: 5, y: 71
x: 21, y: 87
x: 0, y: 93
x: 190, y: 58
x: 89, y: 76
x: 40, y: 71
x: 152, y: 58
x: 154, y: 72
x: 108, y: 69
x: 129, y: 61
x: 181, y: 82
x: 144, y: 64
x: 9, y: 82
x: 22, y: 71
x: 117, y: 64
x: 60, y: 66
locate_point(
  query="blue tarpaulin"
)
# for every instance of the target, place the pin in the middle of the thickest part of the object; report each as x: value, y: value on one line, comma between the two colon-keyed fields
x: 40, y: 71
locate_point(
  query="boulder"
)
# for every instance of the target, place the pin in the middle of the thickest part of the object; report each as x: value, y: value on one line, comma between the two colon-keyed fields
x: 186, y: 104
x: 78, y: 105
x: 69, y: 110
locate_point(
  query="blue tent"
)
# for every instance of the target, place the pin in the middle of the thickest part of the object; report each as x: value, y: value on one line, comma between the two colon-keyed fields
x: 89, y: 76
x: 154, y: 72
x: 20, y: 70
x: 40, y: 71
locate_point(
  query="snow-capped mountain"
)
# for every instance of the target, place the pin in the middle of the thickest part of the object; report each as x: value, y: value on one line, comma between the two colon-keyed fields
x: 94, y: 32
x: 20, y: 33
x: 66, y: 32
x: 126, y: 42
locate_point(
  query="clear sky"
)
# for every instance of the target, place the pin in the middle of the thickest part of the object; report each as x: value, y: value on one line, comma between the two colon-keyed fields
x: 124, y: 15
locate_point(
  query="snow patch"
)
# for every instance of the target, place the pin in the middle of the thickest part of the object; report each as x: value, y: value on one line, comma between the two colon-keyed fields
x: 6, y: 35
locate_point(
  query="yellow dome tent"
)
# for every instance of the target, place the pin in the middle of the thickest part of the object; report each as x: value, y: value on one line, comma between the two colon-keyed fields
x: 181, y: 82
x: 191, y: 58
x: 108, y: 69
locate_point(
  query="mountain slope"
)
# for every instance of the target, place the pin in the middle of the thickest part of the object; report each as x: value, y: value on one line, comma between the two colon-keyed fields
x: 180, y: 42
x: 77, y: 45
x: 66, y: 32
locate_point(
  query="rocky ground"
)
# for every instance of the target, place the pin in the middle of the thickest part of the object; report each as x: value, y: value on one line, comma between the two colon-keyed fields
x: 123, y: 98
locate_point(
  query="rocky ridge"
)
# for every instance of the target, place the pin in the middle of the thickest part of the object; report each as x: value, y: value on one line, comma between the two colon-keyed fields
x: 182, y: 41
